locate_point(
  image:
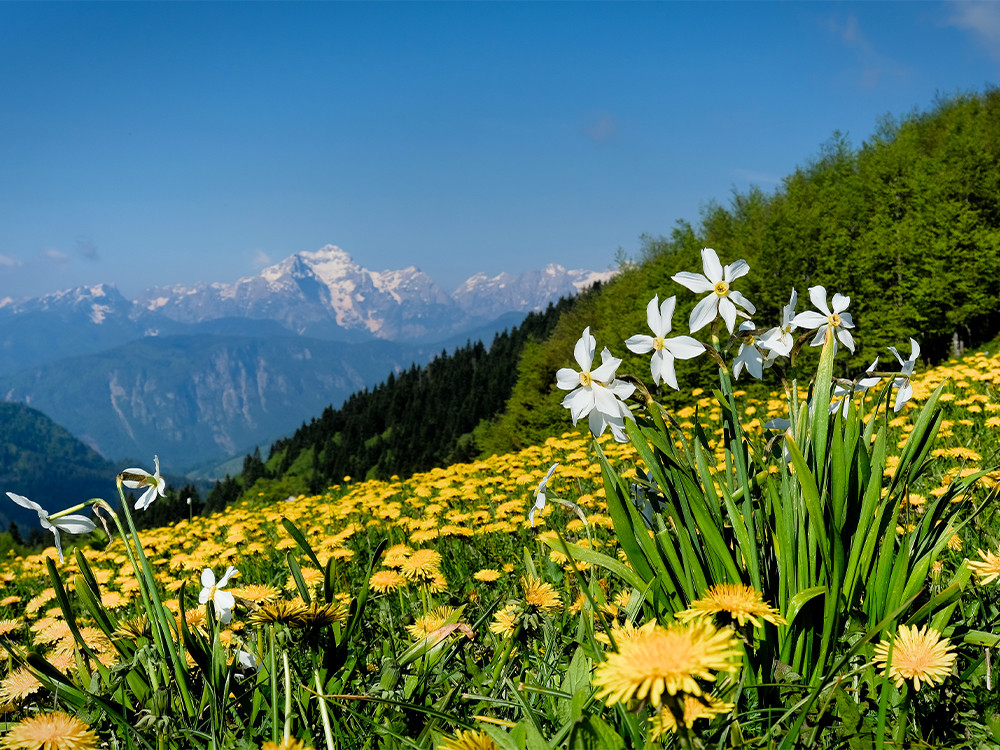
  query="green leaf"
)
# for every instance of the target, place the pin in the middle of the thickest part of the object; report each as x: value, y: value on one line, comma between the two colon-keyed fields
x: 593, y: 733
x: 300, y: 540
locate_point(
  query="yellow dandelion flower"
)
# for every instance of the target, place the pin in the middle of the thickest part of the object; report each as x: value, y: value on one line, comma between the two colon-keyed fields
x: 384, y: 581
x: 667, y: 660
x: 429, y: 622
x: 487, y: 575
x: 987, y: 570
x: 9, y: 626
x: 321, y: 614
x: 468, y: 740
x: 625, y: 632
x: 133, y: 628
x: 736, y: 600
x: 702, y: 707
x: 288, y: 743
x: 505, y: 620
x: 256, y: 593
x: 53, y: 731
x: 421, y: 565
x: 917, y: 654
x: 310, y: 576
x: 280, y: 611
x: 540, y: 595
x: 18, y: 685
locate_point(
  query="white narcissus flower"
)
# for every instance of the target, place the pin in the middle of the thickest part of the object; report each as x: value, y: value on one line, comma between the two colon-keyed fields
x: 212, y: 591
x: 722, y: 300
x: 155, y: 484
x: 596, y: 394
x: 660, y: 321
x: 904, y: 389
x: 834, y: 318
x: 749, y: 356
x: 779, y: 340
x: 72, y: 524
x: 540, y: 494
x: 844, y: 394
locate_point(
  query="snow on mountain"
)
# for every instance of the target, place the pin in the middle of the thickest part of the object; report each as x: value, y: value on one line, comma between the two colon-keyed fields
x: 322, y: 293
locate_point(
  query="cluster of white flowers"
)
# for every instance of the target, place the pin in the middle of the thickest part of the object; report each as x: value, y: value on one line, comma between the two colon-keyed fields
x: 599, y: 395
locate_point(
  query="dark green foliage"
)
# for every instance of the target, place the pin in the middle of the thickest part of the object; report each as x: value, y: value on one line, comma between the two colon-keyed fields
x: 42, y: 461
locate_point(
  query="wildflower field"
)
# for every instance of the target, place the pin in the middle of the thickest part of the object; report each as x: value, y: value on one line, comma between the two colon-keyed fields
x: 810, y: 565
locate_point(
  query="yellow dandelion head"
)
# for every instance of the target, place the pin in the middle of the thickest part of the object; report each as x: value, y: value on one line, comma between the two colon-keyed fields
x: 917, y: 654
x: 421, y: 565
x: 18, y: 685
x: 487, y: 575
x: 670, y: 660
x: 280, y: 611
x: 289, y: 743
x: 430, y: 621
x: 256, y: 593
x: 52, y: 731
x: 468, y: 740
x: 735, y: 601
x: 540, y: 596
x: 505, y: 620
x: 987, y: 570
x: 384, y: 581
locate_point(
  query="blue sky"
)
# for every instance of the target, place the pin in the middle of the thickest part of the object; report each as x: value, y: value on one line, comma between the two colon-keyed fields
x: 148, y: 143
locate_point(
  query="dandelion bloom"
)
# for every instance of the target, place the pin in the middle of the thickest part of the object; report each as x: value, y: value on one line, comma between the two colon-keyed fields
x: 422, y: 565
x: 429, y: 622
x: 53, y: 731
x: 466, y: 740
x: 18, y: 685
x: 917, y: 654
x: 487, y: 575
x: 987, y: 570
x: 540, y: 595
x: 505, y: 620
x: 702, y: 707
x: 738, y: 601
x: 288, y: 743
x: 256, y: 593
x: 283, y: 611
x: 667, y: 660
x: 384, y: 581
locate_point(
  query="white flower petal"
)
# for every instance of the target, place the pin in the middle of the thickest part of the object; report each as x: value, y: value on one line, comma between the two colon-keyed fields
x: 653, y: 314
x: 846, y: 339
x: 728, y: 312
x: 696, y: 282
x: 704, y: 312
x: 734, y: 270
x: 639, y: 344
x: 810, y: 319
x: 712, y: 265
x: 684, y: 347
x: 207, y: 578
x: 742, y: 301
x: 567, y: 378
x: 817, y: 294
x: 840, y: 302
x: 583, y: 352
x: 74, y: 524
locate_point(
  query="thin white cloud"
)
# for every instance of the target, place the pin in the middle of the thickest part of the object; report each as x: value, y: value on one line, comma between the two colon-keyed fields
x: 872, y: 68
x: 55, y: 255
x: 7, y: 262
x: 981, y: 20
x: 601, y: 128
x: 260, y: 259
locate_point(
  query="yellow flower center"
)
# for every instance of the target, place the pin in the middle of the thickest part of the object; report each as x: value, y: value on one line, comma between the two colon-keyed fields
x: 835, y: 320
x: 721, y: 288
x: 585, y: 379
x: 658, y: 343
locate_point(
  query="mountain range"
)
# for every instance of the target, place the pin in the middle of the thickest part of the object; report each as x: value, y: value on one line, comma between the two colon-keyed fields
x: 199, y: 373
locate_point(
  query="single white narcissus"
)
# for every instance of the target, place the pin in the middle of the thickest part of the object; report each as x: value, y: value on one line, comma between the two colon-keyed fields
x: 779, y: 340
x: 904, y: 389
x: 749, y: 356
x: 134, y: 478
x: 212, y: 591
x: 596, y: 393
x: 660, y: 320
x: 844, y: 394
x: 722, y: 300
x: 540, y: 494
x: 72, y: 524
x: 835, y: 318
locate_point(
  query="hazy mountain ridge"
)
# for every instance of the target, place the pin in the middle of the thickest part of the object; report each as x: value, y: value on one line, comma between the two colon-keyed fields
x: 202, y: 372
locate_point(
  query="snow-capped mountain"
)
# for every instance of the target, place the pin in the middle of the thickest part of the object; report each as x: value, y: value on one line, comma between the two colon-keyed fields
x: 317, y: 293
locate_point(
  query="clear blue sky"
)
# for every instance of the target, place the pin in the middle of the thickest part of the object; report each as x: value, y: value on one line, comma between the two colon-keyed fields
x: 147, y: 143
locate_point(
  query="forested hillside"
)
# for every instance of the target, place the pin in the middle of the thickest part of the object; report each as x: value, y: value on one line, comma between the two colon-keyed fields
x: 421, y: 418
x: 907, y: 225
